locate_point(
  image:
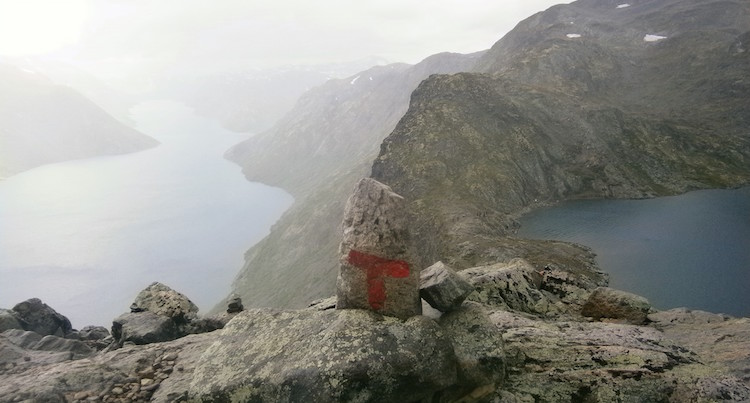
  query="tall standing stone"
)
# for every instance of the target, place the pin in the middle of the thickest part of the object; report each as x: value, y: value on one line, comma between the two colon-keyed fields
x: 376, y: 270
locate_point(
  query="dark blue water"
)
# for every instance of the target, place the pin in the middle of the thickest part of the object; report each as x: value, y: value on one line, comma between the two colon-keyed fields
x: 691, y: 250
x: 86, y: 236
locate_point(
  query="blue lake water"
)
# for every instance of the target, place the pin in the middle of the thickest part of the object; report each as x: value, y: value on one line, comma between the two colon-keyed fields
x: 86, y: 236
x: 691, y: 250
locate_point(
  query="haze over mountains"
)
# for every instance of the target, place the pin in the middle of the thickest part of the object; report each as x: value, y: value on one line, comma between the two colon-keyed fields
x: 592, y: 99
x: 42, y: 122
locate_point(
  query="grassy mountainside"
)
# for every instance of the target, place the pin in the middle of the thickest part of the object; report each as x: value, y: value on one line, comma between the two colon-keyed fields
x: 317, y: 153
x: 41, y: 123
x: 551, y: 115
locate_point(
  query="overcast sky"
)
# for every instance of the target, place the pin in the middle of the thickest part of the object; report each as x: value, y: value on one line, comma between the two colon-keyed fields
x: 129, y: 36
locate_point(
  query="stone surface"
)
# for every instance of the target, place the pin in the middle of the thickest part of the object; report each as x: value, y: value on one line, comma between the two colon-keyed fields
x: 8, y: 320
x: 514, y: 285
x: 717, y: 338
x: 143, y: 328
x: 602, y: 362
x: 377, y: 270
x: 443, y: 288
x: 93, y: 333
x: 39, y: 317
x: 162, y: 300
x: 608, y: 303
x: 324, y: 356
x: 479, y: 348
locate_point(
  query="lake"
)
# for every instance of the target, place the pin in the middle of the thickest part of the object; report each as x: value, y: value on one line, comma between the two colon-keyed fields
x: 691, y: 250
x: 86, y: 236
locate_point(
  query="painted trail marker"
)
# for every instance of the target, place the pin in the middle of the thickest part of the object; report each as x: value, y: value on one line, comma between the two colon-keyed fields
x: 375, y: 272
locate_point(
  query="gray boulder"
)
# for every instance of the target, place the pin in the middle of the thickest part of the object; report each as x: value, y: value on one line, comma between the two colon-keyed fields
x: 93, y: 333
x: 377, y: 265
x: 608, y: 303
x: 443, y: 288
x: 479, y: 348
x: 324, y: 356
x: 38, y: 317
x: 8, y: 320
x: 514, y: 285
x: 144, y: 328
x: 161, y: 300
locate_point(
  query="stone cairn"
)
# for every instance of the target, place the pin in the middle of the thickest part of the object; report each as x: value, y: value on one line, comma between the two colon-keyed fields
x: 377, y: 269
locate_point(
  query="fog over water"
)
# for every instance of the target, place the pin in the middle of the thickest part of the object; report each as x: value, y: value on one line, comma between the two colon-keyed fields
x: 85, y: 236
x: 691, y: 250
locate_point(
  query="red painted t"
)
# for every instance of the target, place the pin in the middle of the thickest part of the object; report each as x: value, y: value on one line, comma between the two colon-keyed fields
x: 376, y: 269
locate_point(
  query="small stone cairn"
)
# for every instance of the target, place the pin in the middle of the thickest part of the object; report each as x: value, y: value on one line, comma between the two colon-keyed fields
x: 377, y: 269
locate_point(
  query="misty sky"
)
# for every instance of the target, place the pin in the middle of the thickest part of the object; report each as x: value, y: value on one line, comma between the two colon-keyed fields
x: 116, y: 37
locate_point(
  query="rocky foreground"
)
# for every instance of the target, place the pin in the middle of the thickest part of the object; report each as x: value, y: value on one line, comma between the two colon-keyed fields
x: 518, y: 337
x: 505, y: 332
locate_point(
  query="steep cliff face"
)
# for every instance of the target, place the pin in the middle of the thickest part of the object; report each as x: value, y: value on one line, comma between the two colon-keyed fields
x: 41, y: 123
x: 317, y: 153
x: 583, y: 100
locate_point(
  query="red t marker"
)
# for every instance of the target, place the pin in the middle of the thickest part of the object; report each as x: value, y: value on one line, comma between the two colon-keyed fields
x: 377, y: 268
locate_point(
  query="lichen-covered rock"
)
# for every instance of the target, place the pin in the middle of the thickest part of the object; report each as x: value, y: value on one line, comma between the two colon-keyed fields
x: 443, y: 288
x: 324, y: 356
x: 478, y: 344
x: 8, y: 320
x: 161, y: 300
x: 603, y: 362
x: 377, y: 265
x: 513, y: 285
x: 609, y: 303
x: 716, y: 338
x: 39, y: 317
x: 143, y: 328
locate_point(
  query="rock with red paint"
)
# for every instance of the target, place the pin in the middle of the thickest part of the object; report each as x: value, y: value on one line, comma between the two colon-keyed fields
x: 377, y: 270
x: 443, y: 288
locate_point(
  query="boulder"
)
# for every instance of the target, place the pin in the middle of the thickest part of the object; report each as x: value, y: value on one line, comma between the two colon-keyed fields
x: 478, y: 345
x: 443, y: 288
x: 143, y: 328
x: 38, y: 317
x: 93, y: 333
x: 324, y: 356
x: 609, y: 303
x: 8, y: 320
x: 377, y: 266
x: 161, y: 300
x: 235, y: 304
x: 513, y: 285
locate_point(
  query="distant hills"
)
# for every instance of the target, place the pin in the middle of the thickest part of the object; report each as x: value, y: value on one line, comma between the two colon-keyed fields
x: 42, y: 122
x: 593, y: 99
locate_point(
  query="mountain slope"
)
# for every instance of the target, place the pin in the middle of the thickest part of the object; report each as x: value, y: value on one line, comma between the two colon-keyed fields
x: 41, y: 123
x: 317, y: 152
x: 550, y: 115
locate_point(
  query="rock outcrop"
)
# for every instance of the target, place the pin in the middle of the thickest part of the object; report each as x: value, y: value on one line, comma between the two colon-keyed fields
x: 324, y: 356
x: 377, y: 269
x: 36, y: 316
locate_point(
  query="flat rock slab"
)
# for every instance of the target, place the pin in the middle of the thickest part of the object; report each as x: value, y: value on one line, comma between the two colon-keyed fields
x: 377, y: 269
x: 324, y: 356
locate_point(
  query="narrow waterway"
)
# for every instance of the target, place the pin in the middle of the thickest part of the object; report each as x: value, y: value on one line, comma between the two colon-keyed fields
x: 691, y: 250
x: 85, y: 236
